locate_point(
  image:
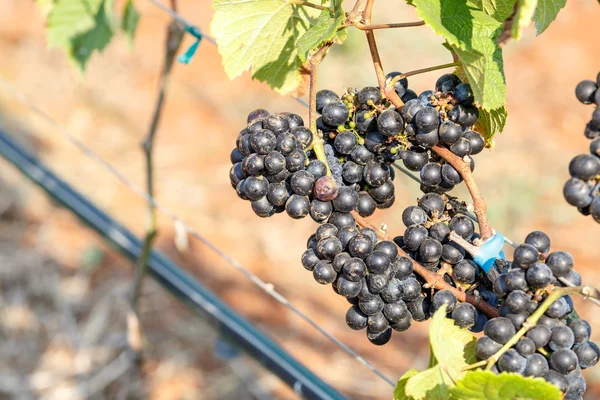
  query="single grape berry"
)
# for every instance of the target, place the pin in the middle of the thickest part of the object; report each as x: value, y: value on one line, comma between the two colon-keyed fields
x: 255, y: 187
x: 325, y: 188
x: 379, y: 338
x: 345, y: 142
x: 539, y: 276
x: 324, y: 273
x: 578, y: 193
x: 347, y: 288
x: 463, y: 226
x: 486, y: 347
x: 430, y: 250
x: 369, y: 95
x: 537, y: 366
x: 414, y: 235
x: 512, y: 361
x: 447, y: 83
x: 587, y: 354
x: 431, y: 174
x: 581, y: 330
x: 427, y: 119
x: 584, y: 166
x: 411, y: 289
x: 564, y: 361
x: 464, y: 315
x: 433, y: 204
x: 325, y: 97
x: 371, y: 306
x: 335, y: 113
x: 525, y: 347
x: 539, y: 240
x: 356, y: 319
x: 390, y: 123
x: 360, y: 246
x: 394, y: 312
x: 443, y: 297
x: 342, y: 220
x: 562, y: 338
x: 560, y: 262
x: 297, y: 206
x: 499, y: 329
x: 526, y: 255
x: 584, y: 91
x: 517, y: 301
x: 320, y: 211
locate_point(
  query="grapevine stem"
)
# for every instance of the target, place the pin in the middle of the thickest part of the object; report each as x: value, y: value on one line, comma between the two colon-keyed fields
x: 462, y: 242
x: 306, y: 4
x: 433, y: 280
x: 531, y: 321
x: 317, y: 143
x: 174, y: 37
x: 373, y: 46
x: 371, y: 27
x: 464, y: 168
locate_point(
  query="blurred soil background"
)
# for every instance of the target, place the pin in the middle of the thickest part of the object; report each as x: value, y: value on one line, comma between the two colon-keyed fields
x: 62, y: 323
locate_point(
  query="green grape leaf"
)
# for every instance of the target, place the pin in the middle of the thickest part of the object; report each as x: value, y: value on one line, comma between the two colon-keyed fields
x: 491, y: 122
x: 80, y: 27
x: 453, y: 347
x: 523, y: 16
x: 85, y: 44
x: 400, y: 391
x: 129, y: 21
x: 546, y: 12
x: 261, y: 35
x: 485, y: 385
x: 472, y: 35
x: 500, y: 10
x: 432, y: 384
x: 328, y: 28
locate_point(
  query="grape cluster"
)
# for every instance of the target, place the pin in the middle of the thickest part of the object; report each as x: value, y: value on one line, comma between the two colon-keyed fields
x: 380, y: 285
x: 557, y: 348
x: 582, y: 190
x: 444, y: 117
x: 427, y: 240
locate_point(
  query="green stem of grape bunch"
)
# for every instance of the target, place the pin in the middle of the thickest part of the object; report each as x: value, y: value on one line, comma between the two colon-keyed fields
x: 532, y: 320
x: 317, y: 142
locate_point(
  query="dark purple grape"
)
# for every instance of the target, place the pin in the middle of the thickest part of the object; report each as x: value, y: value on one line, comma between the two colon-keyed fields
x: 414, y: 235
x: 262, y: 207
x: 563, y: 361
x: 512, y: 361
x: 439, y: 231
x: 447, y: 83
x: 537, y: 366
x: 257, y: 115
x: 525, y: 347
x: 411, y: 289
x: 427, y: 119
x: 377, y: 262
x: 415, y: 159
x: 413, y: 215
x: 486, y: 347
x: 278, y: 193
x: 560, y: 262
x: 587, y: 354
x: 383, y: 193
x: 379, y: 338
x: 431, y: 174
x: 411, y: 108
x: 578, y: 193
x: 419, y: 308
x: 526, y: 255
x: 297, y: 206
x: 539, y: 240
x: 255, y: 187
x: 390, y: 123
x: 352, y: 172
x: 466, y: 272
x: 562, y: 338
x: 581, y: 330
x: 452, y: 253
x: 430, y: 250
x: 324, y: 273
x: 371, y: 306
x: 276, y: 123
x: 464, y: 94
x: 325, y: 97
x: 515, y: 280
x: 360, y: 246
x: 396, y: 311
x: 461, y: 148
x: 320, y: 211
x: 366, y: 206
x: 539, y: 276
x: 540, y: 335
x: 585, y: 90
x: 369, y: 95
x: 345, y: 142
x: 377, y: 322
x: 499, y: 329
x: 463, y: 226
x: 347, y: 288
x: 584, y: 166
x: 342, y: 220
x: 427, y: 139
x: 559, y: 309
x: 335, y: 113
x: 464, y: 315
x: 433, y: 204
x: 356, y: 319
x: 443, y: 297
x: 376, y: 174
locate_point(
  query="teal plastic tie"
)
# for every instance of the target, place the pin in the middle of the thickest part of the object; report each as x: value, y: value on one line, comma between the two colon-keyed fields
x: 489, y: 252
x: 186, y: 57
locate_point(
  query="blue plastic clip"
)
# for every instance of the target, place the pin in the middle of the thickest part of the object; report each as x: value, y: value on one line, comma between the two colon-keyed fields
x: 489, y: 252
x: 186, y: 57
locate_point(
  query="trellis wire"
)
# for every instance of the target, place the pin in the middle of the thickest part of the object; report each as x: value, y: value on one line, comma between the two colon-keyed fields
x: 172, y: 277
x: 265, y: 287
